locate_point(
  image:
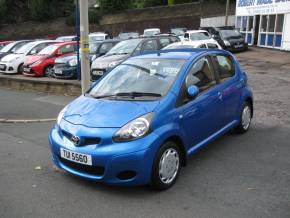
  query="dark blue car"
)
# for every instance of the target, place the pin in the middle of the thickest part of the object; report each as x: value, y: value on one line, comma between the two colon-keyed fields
x: 140, y: 122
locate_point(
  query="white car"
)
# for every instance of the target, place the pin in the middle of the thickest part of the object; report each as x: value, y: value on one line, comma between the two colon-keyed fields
x: 151, y: 32
x: 199, y: 36
x: 66, y: 38
x: 13, y: 63
x: 99, y: 36
x: 194, y: 44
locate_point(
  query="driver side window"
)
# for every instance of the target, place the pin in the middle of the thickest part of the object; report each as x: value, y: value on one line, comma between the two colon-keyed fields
x: 201, y: 75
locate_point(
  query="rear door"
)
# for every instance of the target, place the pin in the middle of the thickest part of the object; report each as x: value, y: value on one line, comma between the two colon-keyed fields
x: 229, y: 85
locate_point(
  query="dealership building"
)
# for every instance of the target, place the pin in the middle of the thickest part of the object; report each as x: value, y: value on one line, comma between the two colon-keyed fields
x: 264, y: 23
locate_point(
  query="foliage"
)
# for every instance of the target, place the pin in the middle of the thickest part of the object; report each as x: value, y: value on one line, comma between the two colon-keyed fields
x: 42, y: 10
x: 108, y: 6
x: 94, y: 18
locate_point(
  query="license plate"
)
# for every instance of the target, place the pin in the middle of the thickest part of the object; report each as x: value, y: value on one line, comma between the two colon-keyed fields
x: 58, y: 71
x: 98, y: 73
x: 76, y: 157
x: 2, y: 66
x: 238, y: 46
x: 26, y: 69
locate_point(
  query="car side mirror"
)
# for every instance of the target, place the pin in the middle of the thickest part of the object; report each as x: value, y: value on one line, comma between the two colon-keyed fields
x: 192, y: 91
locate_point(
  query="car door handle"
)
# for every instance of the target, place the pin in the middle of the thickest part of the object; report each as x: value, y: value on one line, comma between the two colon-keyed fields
x: 220, y: 96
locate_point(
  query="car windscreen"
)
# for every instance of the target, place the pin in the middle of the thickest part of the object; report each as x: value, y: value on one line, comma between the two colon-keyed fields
x: 7, y: 48
x: 124, y: 36
x: 94, y: 47
x: 48, y: 50
x: 199, y: 36
x: 97, y: 38
x: 26, y: 48
x: 151, y: 32
x: 178, y: 46
x: 178, y: 32
x: 230, y: 34
x: 125, y: 47
x: 153, y: 76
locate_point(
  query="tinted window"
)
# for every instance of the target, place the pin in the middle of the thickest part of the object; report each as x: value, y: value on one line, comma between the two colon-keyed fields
x: 67, y: 49
x: 202, y: 46
x: 164, y: 42
x: 105, y: 47
x: 225, y: 67
x: 201, y: 75
x: 150, y: 45
x: 38, y: 48
x: 211, y: 45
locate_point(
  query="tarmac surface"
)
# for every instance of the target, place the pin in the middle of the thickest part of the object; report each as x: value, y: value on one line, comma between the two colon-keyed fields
x: 236, y: 176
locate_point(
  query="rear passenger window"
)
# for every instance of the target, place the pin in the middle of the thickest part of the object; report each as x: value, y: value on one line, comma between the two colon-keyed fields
x: 164, y: 42
x: 150, y: 45
x: 201, y: 75
x: 225, y: 65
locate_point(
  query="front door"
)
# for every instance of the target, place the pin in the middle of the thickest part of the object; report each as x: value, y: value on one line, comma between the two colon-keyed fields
x: 200, y: 117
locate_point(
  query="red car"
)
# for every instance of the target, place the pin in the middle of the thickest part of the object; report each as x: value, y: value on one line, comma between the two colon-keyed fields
x: 42, y: 63
x: 3, y: 43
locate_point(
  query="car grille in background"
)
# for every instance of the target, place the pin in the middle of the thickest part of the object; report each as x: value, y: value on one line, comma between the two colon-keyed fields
x: 83, y: 140
x: 93, y: 170
x: 60, y: 65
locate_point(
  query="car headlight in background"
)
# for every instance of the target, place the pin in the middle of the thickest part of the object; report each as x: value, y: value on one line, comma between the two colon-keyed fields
x: 73, y: 62
x: 227, y: 43
x: 113, y: 64
x: 60, y: 115
x: 135, y: 129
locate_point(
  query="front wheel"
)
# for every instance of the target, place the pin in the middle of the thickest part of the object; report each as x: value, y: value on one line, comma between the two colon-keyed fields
x: 245, y: 118
x: 49, y: 71
x: 166, y: 166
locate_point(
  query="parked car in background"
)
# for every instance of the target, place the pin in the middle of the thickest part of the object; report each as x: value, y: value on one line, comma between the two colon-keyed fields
x: 141, y: 122
x: 128, y: 35
x: 193, y: 44
x: 100, y: 48
x: 13, y: 63
x: 12, y: 47
x: 199, y: 35
x: 66, y: 38
x: 98, y: 36
x: 178, y: 31
x: 151, y: 32
x: 66, y: 67
x: 228, y: 37
x: 4, y: 43
x: 42, y: 63
x: 127, y: 48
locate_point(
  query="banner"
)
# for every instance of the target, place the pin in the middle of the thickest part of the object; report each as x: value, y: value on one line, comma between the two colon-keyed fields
x: 256, y: 7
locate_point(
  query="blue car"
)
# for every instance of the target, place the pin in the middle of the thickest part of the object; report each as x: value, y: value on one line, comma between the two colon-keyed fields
x: 140, y: 122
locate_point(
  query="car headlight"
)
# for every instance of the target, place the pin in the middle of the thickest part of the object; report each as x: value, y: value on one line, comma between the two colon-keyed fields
x: 227, y: 43
x: 135, y: 129
x: 60, y: 115
x: 113, y: 64
x: 73, y: 62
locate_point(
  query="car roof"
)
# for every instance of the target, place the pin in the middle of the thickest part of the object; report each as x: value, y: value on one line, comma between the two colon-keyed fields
x: 196, y: 31
x: 151, y: 29
x: 179, y: 54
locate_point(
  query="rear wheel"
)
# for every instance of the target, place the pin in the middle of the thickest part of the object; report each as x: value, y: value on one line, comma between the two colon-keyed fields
x: 49, y: 71
x: 245, y: 118
x: 166, y: 166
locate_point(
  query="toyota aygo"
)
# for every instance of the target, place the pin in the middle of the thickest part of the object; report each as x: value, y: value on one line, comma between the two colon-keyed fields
x: 140, y: 122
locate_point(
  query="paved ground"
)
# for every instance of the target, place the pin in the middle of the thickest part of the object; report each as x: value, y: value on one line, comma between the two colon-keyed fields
x: 236, y: 176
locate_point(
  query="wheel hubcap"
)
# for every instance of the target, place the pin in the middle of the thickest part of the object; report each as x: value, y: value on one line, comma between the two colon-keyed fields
x: 49, y: 71
x: 246, y: 117
x: 169, y: 165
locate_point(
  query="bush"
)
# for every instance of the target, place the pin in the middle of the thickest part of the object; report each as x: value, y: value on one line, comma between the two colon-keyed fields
x: 94, y: 18
x: 41, y: 10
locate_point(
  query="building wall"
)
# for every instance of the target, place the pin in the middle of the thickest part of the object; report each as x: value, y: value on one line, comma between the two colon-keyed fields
x: 286, y: 33
x: 217, y: 21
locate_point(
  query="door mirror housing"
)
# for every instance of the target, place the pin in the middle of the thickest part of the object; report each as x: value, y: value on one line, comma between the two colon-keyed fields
x: 192, y: 91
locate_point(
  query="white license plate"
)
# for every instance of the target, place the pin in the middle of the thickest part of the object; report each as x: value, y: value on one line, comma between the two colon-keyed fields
x: 98, y: 73
x: 238, y: 46
x: 76, y: 157
x: 57, y: 71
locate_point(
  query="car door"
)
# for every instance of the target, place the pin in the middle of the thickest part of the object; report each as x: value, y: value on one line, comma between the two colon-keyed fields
x: 201, y: 117
x: 229, y: 85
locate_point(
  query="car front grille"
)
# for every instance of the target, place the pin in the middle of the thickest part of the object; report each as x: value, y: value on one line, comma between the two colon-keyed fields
x: 83, y: 140
x: 93, y: 170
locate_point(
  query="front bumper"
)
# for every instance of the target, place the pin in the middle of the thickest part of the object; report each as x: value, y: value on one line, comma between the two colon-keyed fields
x: 65, y: 72
x: 32, y: 71
x: 109, y: 159
x: 8, y: 68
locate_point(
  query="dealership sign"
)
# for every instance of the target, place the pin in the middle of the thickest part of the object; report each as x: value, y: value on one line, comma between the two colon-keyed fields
x: 253, y: 7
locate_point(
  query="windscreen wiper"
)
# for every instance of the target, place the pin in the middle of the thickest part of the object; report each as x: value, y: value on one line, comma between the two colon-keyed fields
x: 128, y: 94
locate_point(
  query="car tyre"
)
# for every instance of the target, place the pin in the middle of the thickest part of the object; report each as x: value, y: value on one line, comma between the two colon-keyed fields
x: 20, y: 69
x: 245, y: 118
x: 166, y: 166
x: 48, y: 71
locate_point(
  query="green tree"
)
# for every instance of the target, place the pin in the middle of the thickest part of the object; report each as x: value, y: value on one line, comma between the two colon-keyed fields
x: 42, y: 10
x: 114, y: 5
